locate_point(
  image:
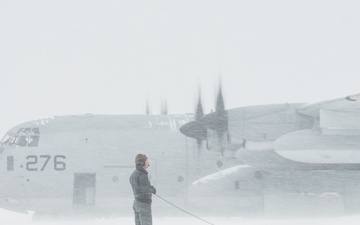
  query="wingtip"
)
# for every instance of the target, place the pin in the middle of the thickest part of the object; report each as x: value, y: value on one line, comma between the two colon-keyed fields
x: 353, y: 98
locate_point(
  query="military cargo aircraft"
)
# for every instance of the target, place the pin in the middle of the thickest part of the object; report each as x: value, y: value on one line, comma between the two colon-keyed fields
x: 228, y: 162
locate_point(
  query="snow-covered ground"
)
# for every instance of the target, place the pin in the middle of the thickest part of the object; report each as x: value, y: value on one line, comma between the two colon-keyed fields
x: 9, y: 218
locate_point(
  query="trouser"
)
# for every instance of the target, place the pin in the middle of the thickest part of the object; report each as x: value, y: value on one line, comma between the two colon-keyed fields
x: 142, y: 213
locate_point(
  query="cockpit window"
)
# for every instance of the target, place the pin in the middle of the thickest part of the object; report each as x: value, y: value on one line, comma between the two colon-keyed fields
x: 24, y: 137
x: 5, y: 139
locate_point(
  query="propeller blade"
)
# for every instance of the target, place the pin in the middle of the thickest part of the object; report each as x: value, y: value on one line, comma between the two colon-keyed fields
x: 194, y: 129
x: 199, y: 113
x: 220, y: 106
x: 199, y: 110
x: 164, y: 107
x: 147, y: 107
x: 217, y: 120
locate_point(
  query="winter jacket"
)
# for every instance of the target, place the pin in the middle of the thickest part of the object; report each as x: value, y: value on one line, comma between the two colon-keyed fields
x: 141, y: 186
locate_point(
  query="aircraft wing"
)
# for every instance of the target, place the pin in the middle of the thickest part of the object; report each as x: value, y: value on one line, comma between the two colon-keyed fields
x: 349, y: 103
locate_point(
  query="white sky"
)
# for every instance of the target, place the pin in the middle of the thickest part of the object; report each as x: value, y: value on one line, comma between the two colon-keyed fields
x: 64, y: 57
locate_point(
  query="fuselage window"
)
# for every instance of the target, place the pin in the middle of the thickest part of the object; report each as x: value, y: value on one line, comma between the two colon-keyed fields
x: 25, y: 137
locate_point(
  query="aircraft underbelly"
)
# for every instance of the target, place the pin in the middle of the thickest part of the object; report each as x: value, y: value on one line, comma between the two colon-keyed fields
x: 310, y: 146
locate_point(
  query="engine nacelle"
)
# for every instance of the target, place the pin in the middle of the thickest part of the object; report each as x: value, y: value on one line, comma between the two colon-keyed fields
x: 311, y: 146
x: 265, y: 123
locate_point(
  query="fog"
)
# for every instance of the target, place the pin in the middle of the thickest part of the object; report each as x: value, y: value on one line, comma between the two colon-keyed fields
x: 9, y: 218
x: 75, y: 57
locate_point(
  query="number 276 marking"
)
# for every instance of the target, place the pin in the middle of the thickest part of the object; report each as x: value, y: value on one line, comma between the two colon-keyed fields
x: 32, y: 162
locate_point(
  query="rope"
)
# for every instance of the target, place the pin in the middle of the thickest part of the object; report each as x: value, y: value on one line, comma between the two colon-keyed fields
x: 184, y: 210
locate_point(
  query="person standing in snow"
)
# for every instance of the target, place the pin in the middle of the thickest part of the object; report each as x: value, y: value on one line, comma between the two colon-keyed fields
x: 142, y: 190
